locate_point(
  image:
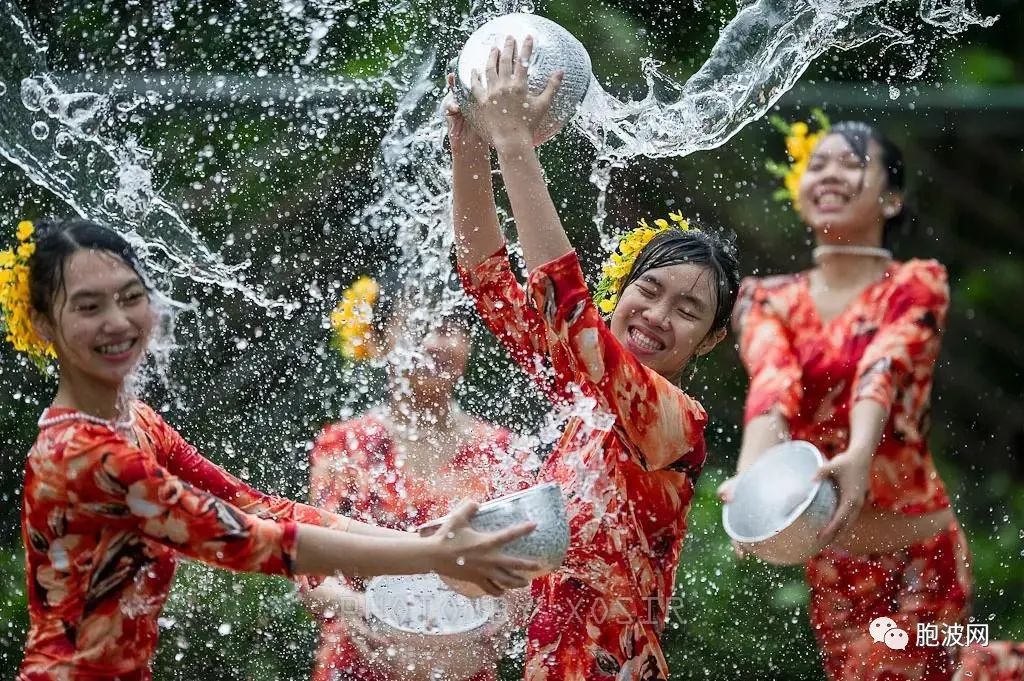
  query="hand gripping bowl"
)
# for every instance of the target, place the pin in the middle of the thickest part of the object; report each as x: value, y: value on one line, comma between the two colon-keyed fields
x: 541, y: 504
x: 553, y: 48
x: 432, y: 632
x: 777, y: 509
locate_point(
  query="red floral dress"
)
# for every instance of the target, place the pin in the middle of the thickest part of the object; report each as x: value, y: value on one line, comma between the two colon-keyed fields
x: 882, y: 347
x: 103, y: 519
x: 628, y: 459
x: 356, y: 470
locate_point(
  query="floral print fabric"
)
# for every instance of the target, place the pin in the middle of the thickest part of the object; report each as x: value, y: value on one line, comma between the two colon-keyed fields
x: 882, y: 347
x: 628, y: 459
x: 103, y: 519
x: 356, y: 469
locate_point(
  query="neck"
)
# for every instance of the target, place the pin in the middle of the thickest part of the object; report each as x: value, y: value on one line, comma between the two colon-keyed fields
x: 849, y: 262
x: 422, y: 412
x: 90, y: 397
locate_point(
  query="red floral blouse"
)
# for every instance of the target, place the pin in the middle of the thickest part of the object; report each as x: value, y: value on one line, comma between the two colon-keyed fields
x: 103, y: 518
x: 628, y: 460
x: 882, y: 347
x: 356, y: 469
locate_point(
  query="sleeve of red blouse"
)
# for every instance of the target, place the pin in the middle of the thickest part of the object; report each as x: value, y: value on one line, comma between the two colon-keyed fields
x: 661, y: 425
x: 187, y: 463
x: 116, y: 482
x: 907, y: 341
x: 767, y: 353
x: 502, y: 304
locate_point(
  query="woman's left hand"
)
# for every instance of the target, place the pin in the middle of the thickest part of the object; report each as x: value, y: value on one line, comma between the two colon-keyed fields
x: 504, y: 109
x: 851, y: 472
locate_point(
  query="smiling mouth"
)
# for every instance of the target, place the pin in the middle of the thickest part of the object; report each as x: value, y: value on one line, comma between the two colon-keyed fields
x: 829, y: 198
x: 114, y: 349
x: 644, y: 340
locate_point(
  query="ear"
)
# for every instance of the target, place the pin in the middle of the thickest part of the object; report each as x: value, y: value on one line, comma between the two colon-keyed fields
x: 892, y: 205
x: 42, y: 326
x: 710, y: 341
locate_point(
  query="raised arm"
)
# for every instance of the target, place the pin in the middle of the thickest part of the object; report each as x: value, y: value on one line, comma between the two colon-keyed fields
x: 483, y: 261
x: 474, y: 214
x: 507, y: 112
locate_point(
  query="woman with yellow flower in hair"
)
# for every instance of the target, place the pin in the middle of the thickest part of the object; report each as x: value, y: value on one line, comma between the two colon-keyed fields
x: 400, y: 464
x: 630, y: 456
x: 113, y: 494
x: 842, y: 355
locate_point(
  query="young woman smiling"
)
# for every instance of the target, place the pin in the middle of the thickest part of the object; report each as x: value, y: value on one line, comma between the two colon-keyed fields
x: 113, y: 494
x: 842, y: 356
x: 628, y: 464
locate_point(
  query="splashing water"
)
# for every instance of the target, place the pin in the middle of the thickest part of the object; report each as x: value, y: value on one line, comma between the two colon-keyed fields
x: 81, y: 145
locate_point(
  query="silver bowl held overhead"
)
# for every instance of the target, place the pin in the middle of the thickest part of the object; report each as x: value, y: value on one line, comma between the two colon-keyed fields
x: 433, y: 632
x: 777, y: 508
x: 553, y: 48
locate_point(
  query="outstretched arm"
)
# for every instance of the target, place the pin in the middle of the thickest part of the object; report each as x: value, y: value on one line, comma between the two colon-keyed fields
x: 506, y: 111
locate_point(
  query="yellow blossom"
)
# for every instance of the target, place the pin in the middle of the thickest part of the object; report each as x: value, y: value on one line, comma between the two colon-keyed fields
x: 352, y: 319
x: 24, y: 230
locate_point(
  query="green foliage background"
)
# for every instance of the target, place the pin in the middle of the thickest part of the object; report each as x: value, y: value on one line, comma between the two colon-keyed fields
x: 735, y: 619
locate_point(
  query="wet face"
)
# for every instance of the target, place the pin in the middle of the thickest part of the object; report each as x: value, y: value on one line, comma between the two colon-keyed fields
x: 664, y: 318
x: 843, y: 198
x: 442, y: 357
x: 102, y: 320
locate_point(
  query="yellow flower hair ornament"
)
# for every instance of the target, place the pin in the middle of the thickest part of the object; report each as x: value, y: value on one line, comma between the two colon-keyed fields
x: 618, y: 266
x: 352, y: 320
x: 800, y: 143
x: 15, y: 299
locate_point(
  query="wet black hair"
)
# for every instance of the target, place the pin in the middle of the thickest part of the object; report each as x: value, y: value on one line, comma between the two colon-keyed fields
x: 695, y: 247
x: 58, y: 240
x: 858, y: 135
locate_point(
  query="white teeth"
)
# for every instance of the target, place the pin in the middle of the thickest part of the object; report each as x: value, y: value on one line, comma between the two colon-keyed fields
x: 116, y: 349
x: 645, y: 341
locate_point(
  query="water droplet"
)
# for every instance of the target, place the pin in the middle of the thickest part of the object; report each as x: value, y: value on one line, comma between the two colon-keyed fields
x: 40, y: 130
x: 224, y: 629
x: 460, y: 561
x: 894, y: 92
x: 31, y: 94
x: 3, y: 88
x: 352, y: 21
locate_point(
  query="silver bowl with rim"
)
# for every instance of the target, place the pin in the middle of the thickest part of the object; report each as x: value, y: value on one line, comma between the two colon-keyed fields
x: 553, y: 48
x: 432, y: 632
x: 541, y: 504
x: 777, y: 508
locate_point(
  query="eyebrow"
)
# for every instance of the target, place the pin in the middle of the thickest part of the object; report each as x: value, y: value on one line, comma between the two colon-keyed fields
x: 87, y: 293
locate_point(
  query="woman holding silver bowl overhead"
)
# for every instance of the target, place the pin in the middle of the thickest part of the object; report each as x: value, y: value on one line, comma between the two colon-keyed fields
x: 629, y: 458
x: 842, y: 356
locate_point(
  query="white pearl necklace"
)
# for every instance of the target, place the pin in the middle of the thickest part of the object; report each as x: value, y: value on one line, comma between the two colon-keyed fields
x: 834, y: 249
x: 121, y: 425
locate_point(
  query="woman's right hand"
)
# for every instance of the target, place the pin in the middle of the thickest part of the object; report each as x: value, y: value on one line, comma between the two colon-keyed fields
x: 466, y: 555
x: 463, y: 137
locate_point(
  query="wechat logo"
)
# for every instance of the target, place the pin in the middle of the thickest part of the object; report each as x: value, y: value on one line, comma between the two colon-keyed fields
x: 884, y: 630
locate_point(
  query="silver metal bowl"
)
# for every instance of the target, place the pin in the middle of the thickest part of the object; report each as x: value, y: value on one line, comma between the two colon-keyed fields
x: 553, y: 48
x: 541, y: 504
x: 432, y: 631
x: 777, y: 509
